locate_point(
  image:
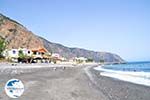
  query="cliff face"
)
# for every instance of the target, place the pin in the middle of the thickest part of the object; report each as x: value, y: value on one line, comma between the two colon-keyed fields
x: 16, y: 35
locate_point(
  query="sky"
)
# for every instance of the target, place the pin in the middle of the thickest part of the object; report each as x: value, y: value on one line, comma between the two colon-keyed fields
x: 117, y: 26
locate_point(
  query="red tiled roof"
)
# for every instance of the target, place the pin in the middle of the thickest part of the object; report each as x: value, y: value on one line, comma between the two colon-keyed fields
x: 42, y: 50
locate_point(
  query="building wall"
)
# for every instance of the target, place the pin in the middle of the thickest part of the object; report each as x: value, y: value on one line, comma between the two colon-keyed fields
x: 14, y: 53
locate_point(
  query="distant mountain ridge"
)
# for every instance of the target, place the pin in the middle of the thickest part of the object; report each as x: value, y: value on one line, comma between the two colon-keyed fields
x: 16, y: 35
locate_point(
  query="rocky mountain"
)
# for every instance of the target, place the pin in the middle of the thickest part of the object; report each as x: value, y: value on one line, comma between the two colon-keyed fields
x: 77, y: 52
x: 16, y: 35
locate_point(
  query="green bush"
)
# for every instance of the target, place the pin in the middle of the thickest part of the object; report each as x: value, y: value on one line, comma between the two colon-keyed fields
x: 102, y: 61
x: 89, y: 60
x: 2, y: 47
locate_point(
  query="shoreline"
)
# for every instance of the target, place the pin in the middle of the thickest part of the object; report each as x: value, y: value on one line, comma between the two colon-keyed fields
x: 72, y: 83
x: 116, y: 89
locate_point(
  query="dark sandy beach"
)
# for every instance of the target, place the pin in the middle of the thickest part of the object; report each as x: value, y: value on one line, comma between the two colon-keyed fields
x: 72, y: 83
x: 119, y: 90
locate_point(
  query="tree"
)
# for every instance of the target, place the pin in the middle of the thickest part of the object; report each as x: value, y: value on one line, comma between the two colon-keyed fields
x: 89, y: 60
x: 102, y: 61
x: 2, y: 47
x: 22, y: 57
x: 21, y: 54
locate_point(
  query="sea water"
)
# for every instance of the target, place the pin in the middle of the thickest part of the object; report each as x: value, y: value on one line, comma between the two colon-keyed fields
x: 135, y: 72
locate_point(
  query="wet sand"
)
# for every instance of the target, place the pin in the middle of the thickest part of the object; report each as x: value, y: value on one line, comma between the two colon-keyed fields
x: 68, y: 82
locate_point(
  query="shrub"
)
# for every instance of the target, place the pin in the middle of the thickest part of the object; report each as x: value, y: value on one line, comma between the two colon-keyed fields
x: 2, y: 47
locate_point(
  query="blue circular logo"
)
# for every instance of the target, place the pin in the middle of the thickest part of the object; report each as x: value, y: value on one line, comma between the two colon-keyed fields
x: 14, y: 88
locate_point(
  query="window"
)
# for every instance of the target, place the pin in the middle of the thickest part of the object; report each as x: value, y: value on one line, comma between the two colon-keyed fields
x: 29, y: 52
x: 42, y: 53
x: 34, y: 53
x: 38, y: 53
x: 14, y: 52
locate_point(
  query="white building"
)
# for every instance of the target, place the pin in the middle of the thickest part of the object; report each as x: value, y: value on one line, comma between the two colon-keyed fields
x: 80, y: 59
x: 55, y: 55
x: 13, y: 54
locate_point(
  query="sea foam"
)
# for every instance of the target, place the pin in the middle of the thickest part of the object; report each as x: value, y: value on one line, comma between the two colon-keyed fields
x: 142, y: 78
